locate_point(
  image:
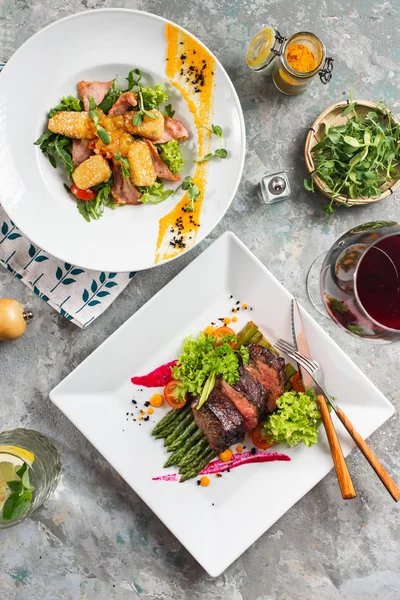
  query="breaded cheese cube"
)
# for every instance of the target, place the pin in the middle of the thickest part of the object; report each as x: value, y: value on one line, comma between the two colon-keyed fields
x: 77, y: 125
x: 91, y: 172
x: 141, y: 164
x: 150, y: 128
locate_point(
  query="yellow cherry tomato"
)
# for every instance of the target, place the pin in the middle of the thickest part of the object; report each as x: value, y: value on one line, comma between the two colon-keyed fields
x: 226, y: 455
x: 157, y: 400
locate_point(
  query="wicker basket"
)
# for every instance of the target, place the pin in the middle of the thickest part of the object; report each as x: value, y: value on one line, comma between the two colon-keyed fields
x: 332, y: 117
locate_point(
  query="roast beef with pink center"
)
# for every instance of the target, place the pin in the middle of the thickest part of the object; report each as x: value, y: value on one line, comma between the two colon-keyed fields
x: 249, y: 397
x: 269, y: 370
x: 219, y: 420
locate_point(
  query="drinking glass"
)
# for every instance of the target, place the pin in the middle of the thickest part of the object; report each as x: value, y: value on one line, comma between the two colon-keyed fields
x: 38, y: 452
x: 357, y: 282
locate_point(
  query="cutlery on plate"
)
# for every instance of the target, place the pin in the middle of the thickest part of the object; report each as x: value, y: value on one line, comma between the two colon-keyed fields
x: 316, y: 373
x: 300, y: 342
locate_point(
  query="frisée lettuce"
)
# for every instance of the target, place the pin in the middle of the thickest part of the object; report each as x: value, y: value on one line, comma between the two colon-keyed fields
x: 296, y: 419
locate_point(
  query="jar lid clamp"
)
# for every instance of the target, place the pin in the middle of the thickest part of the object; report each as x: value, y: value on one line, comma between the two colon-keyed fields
x: 325, y: 74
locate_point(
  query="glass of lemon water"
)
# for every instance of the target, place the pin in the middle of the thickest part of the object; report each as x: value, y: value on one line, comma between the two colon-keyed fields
x: 29, y: 473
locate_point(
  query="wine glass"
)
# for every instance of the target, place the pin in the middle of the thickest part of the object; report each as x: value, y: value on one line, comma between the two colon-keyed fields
x: 357, y: 282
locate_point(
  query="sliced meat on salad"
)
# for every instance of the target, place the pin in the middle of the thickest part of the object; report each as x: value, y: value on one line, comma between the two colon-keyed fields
x: 161, y: 169
x: 173, y: 130
x: 123, y: 191
x: 80, y: 151
x: 96, y: 89
x: 124, y: 102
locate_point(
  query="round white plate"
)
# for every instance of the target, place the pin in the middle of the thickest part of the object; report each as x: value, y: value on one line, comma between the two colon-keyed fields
x: 98, y: 45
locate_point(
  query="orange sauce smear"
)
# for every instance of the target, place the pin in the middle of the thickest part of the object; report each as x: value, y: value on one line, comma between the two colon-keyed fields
x: 200, y: 105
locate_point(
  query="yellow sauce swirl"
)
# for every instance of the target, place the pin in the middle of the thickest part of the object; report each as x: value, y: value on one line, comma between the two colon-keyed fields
x: 190, y: 68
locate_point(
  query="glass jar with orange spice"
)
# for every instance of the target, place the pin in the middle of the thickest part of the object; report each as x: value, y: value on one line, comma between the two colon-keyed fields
x: 294, y: 61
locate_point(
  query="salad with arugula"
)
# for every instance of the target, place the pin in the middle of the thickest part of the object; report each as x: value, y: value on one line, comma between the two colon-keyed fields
x: 117, y: 145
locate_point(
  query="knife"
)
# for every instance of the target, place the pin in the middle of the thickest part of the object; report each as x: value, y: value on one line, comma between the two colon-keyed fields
x: 300, y: 341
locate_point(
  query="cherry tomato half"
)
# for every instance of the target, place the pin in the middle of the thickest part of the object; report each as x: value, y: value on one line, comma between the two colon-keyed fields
x: 221, y: 331
x: 170, y: 396
x: 259, y: 439
x: 88, y: 194
x: 297, y: 383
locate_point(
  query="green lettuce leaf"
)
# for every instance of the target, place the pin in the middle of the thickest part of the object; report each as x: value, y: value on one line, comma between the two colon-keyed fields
x: 296, y: 420
x: 172, y: 156
x: 201, y: 358
x: 153, y: 97
x: 154, y: 194
x: 68, y: 103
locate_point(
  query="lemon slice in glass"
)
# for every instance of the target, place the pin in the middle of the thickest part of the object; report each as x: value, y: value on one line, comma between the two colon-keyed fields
x: 16, y: 451
x: 9, y: 465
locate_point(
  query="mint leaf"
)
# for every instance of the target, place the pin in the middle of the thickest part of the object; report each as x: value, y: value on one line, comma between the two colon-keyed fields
x: 16, y: 505
x: 21, y: 495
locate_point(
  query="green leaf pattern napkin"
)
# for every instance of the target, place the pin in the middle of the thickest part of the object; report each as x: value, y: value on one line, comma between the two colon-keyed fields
x: 79, y: 295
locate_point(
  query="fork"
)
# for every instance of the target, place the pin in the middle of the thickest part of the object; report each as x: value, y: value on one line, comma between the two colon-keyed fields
x: 313, y: 368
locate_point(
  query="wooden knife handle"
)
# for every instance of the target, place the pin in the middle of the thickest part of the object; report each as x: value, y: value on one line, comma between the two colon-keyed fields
x: 342, y: 472
x: 379, y: 469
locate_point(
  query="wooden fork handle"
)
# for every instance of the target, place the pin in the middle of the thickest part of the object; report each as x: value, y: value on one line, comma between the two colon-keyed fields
x: 342, y: 472
x: 379, y: 469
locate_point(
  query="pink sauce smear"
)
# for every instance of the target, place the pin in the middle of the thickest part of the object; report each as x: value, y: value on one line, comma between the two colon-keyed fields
x: 244, y: 458
x: 157, y: 378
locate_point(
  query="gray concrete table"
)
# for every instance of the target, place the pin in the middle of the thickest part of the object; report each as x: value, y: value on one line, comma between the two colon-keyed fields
x: 95, y: 539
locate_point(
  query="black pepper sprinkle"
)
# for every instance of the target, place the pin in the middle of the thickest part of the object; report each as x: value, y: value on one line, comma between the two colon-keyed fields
x: 134, y: 402
x: 238, y: 302
x: 198, y: 482
x: 139, y: 423
x: 253, y: 451
x: 213, y: 504
x: 228, y: 470
x: 147, y: 403
x: 146, y: 418
x: 177, y: 242
x: 181, y: 42
x: 221, y: 319
x: 231, y: 296
x: 183, y: 57
x: 127, y: 414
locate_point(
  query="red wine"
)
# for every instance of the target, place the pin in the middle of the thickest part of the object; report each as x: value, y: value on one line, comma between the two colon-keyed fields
x: 378, y: 282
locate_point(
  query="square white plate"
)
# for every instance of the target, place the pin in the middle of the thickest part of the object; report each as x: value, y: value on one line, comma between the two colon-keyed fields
x: 210, y: 522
